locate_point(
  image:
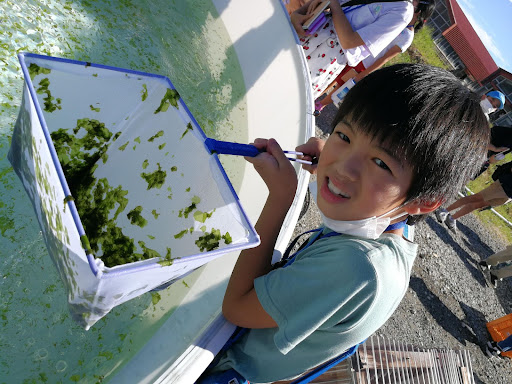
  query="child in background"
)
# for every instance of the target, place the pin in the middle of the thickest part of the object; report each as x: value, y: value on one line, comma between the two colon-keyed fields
x: 386, y: 158
x: 399, y: 45
x: 350, y: 35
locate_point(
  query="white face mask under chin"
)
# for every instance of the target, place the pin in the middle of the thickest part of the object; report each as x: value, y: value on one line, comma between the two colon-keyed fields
x: 486, y: 106
x: 370, y: 228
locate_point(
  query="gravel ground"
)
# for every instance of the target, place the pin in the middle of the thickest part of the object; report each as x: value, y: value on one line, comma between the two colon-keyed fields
x: 447, y: 289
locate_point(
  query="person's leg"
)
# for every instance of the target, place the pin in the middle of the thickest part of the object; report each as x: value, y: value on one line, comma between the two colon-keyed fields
x: 500, y: 257
x: 503, y: 272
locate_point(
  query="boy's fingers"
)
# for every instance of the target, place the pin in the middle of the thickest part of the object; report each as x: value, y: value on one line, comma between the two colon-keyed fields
x: 275, y: 150
x: 312, y: 148
x: 310, y: 168
x: 260, y: 143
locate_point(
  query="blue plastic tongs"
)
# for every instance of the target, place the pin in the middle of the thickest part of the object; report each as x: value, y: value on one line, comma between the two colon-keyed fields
x: 237, y: 149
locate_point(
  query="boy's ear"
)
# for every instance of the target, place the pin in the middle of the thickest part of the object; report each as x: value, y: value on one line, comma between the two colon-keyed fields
x: 421, y: 208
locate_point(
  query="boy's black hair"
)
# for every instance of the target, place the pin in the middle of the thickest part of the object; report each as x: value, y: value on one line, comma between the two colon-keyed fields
x: 426, y: 8
x: 429, y: 120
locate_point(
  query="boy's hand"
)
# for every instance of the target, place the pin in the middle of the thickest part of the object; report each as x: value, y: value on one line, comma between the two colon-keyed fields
x: 275, y: 170
x: 311, y: 150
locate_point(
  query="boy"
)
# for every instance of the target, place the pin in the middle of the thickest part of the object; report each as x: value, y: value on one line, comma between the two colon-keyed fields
x: 406, y: 138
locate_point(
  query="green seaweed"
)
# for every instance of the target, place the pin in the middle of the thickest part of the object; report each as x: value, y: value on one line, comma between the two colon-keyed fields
x: 67, y: 199
x: 122, y: 147
x: 167, y: 260
x: 171, y: 97
x: 85, y: 244
x: 227, y: 238
x: 161, y: 146
x: 49, y: 105
x: 94, y: 199
x: 181, y: 234
x: 202, y: 216
x: 34, y: 70
x: 137, y: 139
x: 136, y: 218
x: 94, y: 109
x: 155, y: 298
x: 144, y: 92
x: 148, y: 253
x: 186, y: 211
x: 156, y: 135
x: 174, y: 169
x: 155, y: 179
x: 145, y: 164
x: 107, y: 354
x: 155, y: 213
x: 209, y: 241
x: 189, y: 128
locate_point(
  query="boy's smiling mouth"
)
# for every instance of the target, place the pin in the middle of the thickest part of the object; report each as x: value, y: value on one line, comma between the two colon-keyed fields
x: 332, y: 193
x: 335, y: 190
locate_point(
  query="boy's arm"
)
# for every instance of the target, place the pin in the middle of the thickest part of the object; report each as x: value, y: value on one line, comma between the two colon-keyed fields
x: 241, y: 305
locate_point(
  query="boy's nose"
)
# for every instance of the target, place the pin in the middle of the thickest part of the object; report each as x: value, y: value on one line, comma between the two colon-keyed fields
x: 351, y: 165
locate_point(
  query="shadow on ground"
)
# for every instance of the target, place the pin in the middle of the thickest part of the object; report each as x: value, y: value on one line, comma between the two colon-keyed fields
x: 451, y: 240
x: 444, y: 316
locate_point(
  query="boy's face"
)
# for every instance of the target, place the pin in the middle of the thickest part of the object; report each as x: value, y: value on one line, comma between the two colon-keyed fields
x: 358, y: 178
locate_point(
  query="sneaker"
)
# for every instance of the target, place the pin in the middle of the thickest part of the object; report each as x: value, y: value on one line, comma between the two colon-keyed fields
x: 494, y: 280
x: 492, y: 349
x: 441, y: 214
x: 484, y: 266
x: 451, y: 223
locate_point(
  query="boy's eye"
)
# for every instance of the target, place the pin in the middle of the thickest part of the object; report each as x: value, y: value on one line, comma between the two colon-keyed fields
x: 382, y: 164
x: 343, y: 137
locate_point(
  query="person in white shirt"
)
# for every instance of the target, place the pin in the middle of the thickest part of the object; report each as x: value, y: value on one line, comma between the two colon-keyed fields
x: 399, y: 45
x: 349, y: 35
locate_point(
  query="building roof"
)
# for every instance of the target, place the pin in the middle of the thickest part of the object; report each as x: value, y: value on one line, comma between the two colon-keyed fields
x: 464, y: 40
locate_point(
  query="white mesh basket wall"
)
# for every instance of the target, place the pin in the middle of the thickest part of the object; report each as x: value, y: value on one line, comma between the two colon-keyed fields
x: 127, y: 195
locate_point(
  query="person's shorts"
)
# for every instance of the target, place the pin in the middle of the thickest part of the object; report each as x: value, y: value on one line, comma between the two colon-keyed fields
x: 496, y: 194
x: 358, y: 68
